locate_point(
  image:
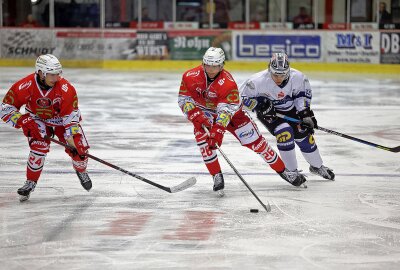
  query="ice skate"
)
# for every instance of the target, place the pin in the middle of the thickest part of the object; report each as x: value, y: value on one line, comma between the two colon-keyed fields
x: 295, y: 178
x: 219, y: 184
x: 85, y: 180
x: 324, y: 172
x: 25, y: 191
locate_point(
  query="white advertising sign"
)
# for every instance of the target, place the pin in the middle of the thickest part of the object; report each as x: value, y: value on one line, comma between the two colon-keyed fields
x: 352, y: 47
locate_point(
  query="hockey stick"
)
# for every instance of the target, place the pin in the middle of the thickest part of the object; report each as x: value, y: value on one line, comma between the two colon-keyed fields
x: 182, y: 186
x: 391, y: 149
x: 266, y: 207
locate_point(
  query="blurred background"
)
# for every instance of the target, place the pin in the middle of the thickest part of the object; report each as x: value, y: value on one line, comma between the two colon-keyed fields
x: 209, y: 14
x: 312, y: 31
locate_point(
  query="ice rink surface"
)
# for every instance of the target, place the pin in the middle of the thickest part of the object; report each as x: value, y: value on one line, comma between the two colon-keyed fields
x: 132, y: 120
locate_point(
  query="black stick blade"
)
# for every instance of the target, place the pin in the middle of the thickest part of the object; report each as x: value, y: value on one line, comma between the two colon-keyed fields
x: 395, y: 149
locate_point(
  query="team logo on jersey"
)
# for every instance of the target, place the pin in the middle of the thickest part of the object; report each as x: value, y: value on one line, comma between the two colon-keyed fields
x: 250, y: 85
x: 75, y: 103
x: 234, y: 96
x: 281, y: 95
x: 64, y: 87
x: 211, y: 94
x: 43, y: 102
x: 9, y: 99
x: 57, y: 105
x: 182, y: 89
x: 308, y: 93
x: 25, y: 85
x: 193, y: 73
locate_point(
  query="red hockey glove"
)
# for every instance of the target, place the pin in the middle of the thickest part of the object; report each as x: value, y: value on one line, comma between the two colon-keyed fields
x: 216, y: 136
x: 29, y: 127
x: 81, y: 149
x: 198, y: 118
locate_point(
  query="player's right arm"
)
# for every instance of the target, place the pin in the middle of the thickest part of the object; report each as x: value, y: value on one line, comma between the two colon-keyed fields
x: 11, y: 105
x: 188, y: 106
x: 248, y: 95
x: 12, y: 102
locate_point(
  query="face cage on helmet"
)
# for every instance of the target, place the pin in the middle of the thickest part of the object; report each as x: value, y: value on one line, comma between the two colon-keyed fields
x: 279, y: 73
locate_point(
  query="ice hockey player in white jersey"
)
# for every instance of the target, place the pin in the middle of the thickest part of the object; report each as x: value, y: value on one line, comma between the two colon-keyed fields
x: 287, y: 91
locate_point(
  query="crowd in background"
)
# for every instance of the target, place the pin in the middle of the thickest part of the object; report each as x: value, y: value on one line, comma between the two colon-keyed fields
x: 75, y: 13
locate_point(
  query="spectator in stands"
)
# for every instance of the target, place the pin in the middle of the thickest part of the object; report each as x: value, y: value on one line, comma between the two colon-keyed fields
x: 260, y: 14
x: 303, y: 17
x: 8, y: 20
x: 221, y: 15
x: 30, y: 22
x: 145, y: 15
x: 384, y: 15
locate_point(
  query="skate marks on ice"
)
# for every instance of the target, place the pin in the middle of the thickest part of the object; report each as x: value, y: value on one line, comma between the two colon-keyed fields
x: 122, y: 223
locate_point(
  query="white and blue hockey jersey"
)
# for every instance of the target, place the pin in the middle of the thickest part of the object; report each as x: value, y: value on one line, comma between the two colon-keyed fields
x: 296, y: 92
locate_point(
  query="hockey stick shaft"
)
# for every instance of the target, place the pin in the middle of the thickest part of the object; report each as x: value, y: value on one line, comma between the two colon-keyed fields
x: 266, y: 207
x: 391, y: 149
x: 184, y: 185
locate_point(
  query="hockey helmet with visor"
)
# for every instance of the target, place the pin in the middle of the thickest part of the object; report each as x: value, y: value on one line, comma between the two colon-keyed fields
x: 48, y: 64
x: 279, y: 65
x: 214, y: 57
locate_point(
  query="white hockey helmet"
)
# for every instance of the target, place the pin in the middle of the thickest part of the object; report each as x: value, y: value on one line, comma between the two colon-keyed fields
x: 279, y: 64
x: 48, y: 64
x: 214, y: 57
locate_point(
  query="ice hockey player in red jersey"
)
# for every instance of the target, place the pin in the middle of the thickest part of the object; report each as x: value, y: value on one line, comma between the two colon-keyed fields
x: 51, y: 108
x: 209, y: 98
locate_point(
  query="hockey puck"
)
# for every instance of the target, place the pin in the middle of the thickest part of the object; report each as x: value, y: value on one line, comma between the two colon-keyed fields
x: 253, y: 210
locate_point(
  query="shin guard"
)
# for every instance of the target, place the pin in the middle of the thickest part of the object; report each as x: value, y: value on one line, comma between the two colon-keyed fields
x: 210, y: 157
x: 37, y: 156
x: 286, y: 145
x: 261, y: 147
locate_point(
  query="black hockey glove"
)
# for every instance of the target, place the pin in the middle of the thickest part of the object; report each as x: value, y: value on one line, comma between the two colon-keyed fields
x: 308, y: 120
x: 265, y: 110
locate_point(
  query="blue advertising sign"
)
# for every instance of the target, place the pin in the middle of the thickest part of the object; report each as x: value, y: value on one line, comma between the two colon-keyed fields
x: 253, y: 46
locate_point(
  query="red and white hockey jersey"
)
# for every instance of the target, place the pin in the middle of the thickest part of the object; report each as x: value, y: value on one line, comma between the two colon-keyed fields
x: 220, y: 98
x: 57, y: 106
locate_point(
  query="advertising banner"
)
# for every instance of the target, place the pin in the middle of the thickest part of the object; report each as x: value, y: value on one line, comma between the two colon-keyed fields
x: 301, y: 46
x: 72, y: 44
x: 191, y: 45
x: 390, y: 48
x: 25, y: 43
x: 352, y: 47
x: 152, y: 45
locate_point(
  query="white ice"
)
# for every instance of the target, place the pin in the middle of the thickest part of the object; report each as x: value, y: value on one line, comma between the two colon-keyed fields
x: 132, y: 120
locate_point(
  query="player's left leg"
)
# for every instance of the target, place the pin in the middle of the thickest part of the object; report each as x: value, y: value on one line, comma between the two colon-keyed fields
x: 210, y: 159
x: 311, y: 154
x: 79, y: 163
x: 34, y: 166
x: 246, y: 131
